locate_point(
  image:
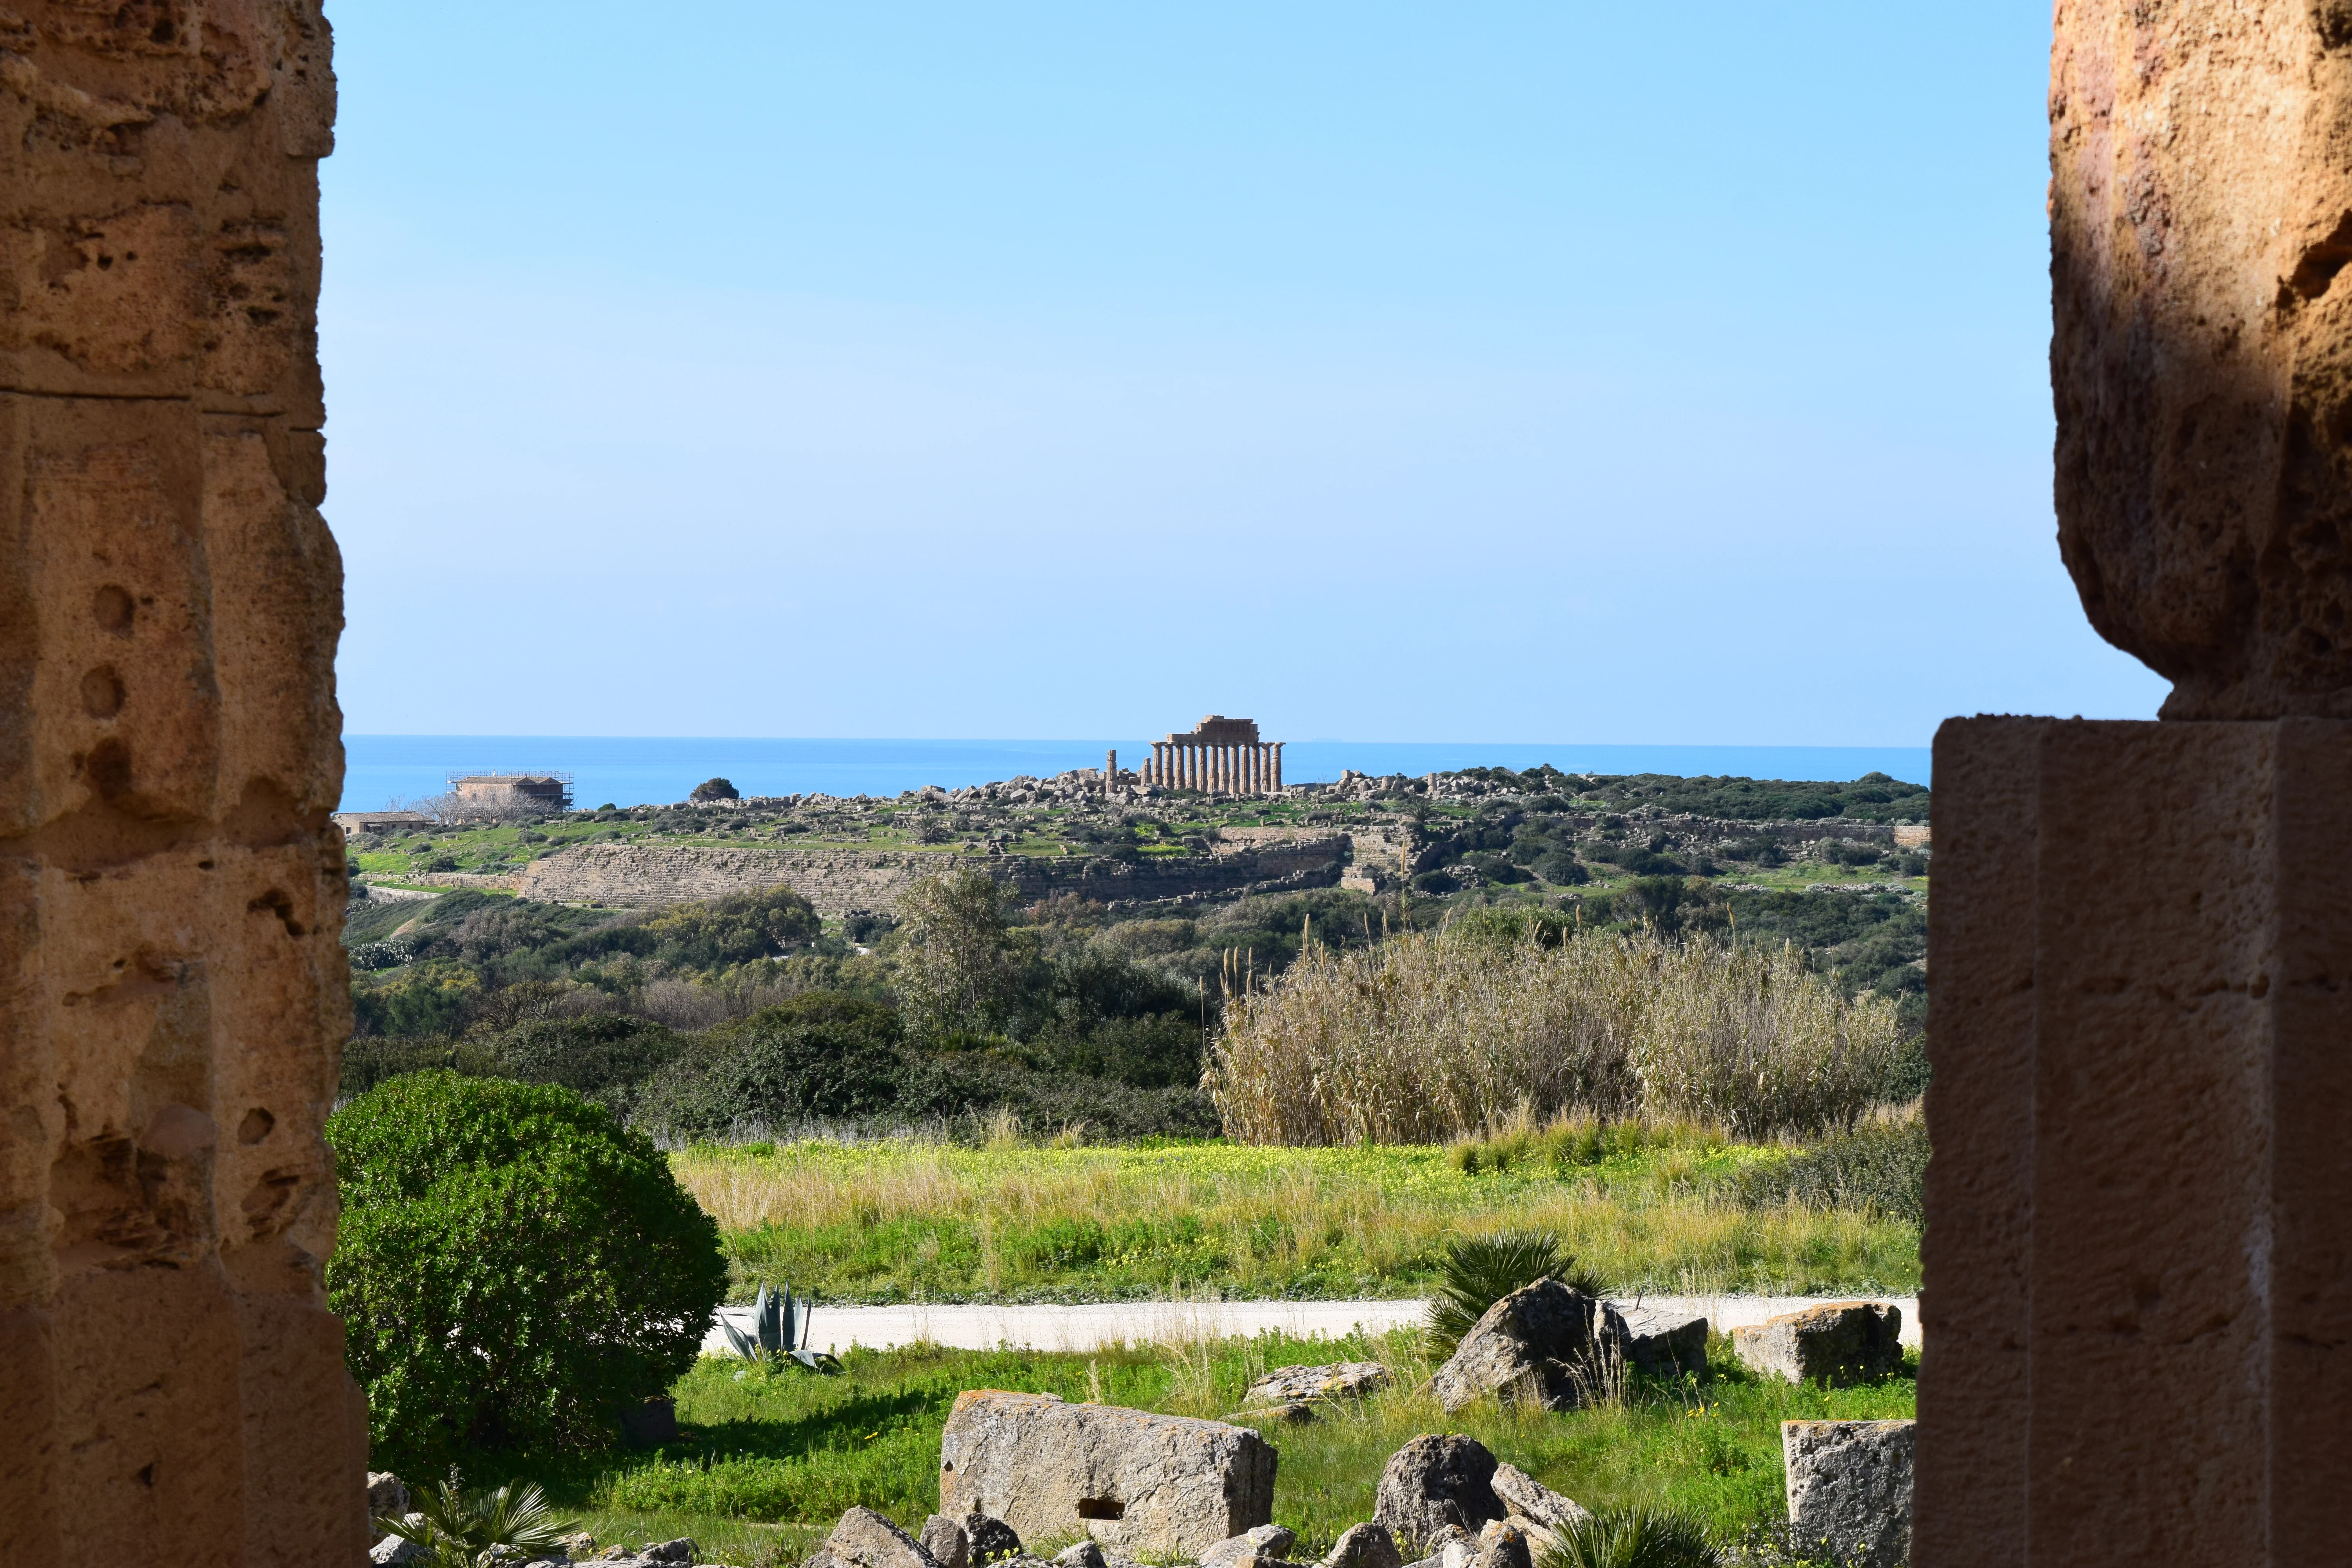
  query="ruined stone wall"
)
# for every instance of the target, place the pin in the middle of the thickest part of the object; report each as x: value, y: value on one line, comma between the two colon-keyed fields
x: 838, y: 882
x: 172, y: 993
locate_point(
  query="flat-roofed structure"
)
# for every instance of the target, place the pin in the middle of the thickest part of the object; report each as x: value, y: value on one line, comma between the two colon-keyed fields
x: 497, y: 795
x: 384, y: 822
x: 1221, y: 756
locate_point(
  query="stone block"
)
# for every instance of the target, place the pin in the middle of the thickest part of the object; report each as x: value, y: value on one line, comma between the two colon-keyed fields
x: 865, y: 1538
x: 1837, y: 1343
x: 1849, y: 1487
x: 990, y: 1538
x: 945, y: 1540
x: 1664, y: 1344
x: 1545, y: 1344
x: 1366, y: 1545
x: 1526, y: 1498
x: 1143, y: 1482
x: 1266, y: 1543
x: 1433, y: 1482
x: 1285, y: 1384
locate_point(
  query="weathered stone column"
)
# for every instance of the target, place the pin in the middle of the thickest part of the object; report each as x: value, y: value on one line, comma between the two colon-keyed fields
x: 172, y: 991
x: 1277, y: 765
x: 2137, y: 1304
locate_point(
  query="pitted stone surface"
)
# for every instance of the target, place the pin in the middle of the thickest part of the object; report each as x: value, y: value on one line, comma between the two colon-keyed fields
x: 1434, y: 1482
x: 1837, y: 1343
x: 1848, y: 1484
x: 1545, y: 1344
x: 172, y: 991
x: 1144, y: 1482
x: 1338, y: 1378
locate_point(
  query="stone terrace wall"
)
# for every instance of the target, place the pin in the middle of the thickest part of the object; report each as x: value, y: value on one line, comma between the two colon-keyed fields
x: 839, y: 881
x: 172, y: 993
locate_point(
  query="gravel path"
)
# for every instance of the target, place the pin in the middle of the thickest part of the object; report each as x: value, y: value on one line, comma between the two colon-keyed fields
x: 1086, y: 1328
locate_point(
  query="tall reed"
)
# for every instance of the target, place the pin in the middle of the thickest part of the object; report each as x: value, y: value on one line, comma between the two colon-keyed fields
x: 1429, y: 1036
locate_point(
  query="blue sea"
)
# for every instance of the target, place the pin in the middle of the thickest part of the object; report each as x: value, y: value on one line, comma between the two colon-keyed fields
x: 636, y: 770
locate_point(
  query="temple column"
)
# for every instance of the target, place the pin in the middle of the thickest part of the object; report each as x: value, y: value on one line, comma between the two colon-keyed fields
x: 1277, y: 764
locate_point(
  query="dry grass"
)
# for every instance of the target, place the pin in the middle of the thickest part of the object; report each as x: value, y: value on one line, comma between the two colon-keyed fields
x: 1430, y: 1038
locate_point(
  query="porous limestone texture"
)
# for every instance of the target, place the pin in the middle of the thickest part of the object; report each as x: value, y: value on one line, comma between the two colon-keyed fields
x: 1434, y: 1481
x: 1144, y: 1482
x: 1836, y: 1343
x: 2200, y: 219
x: 865, y: 1538
x: 173, y: 994
x: 2141, y: 1196
x: 1528, y: 1499
x: 1664, y: 1342
x: 1545, y: 1344
x: 1849, y: 1486
x: 1364, y: 1546
x: 1337, y: 1380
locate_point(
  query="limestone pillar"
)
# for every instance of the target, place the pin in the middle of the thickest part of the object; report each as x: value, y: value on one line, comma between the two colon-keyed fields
x: 1187, y: 766
x: 1277, y: 767
x: 172, y: 991
x: 1257, y: 769
x: 1220, y: 769
x: 2138, y: 1306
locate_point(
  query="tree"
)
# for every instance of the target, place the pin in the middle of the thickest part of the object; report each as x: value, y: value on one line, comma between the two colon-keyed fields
x: 514, y: 1267
x: 714, y: 789
x: 959, y: 965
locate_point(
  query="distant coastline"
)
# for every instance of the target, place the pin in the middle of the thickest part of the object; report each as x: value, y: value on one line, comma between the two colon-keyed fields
x: 640, y: 770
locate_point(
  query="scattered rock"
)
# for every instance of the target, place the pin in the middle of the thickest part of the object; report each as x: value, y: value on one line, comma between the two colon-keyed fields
x: 682, y: 1550
x: 394, y: 1551
x: 864, y: 1538
x: 1836, y: 1343
x: 1267, y: 1542
x: 1141, y: 1481
x: 948, y: 1544
x: 1532, y: 1500
x: 1503, y: 1544
x: 1545, y: 1344
x: 1289, y: 1413
x: 1432, y: 1482
x: 1339, y: 1378
x: 1085, y: 1554
x: 991, y: 1538
x: 1664, y: 1344
x: 1849, y: 1484
x: 1365, y: 1546
x: 578, y: 1545
x: 387, y: 1496
x: 1452, y: 1547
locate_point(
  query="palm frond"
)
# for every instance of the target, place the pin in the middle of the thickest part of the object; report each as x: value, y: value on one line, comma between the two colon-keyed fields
x: 1480, y: 1270
x: 1630, y: 1538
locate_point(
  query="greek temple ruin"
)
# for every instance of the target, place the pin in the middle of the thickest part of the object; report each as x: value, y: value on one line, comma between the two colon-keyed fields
x: 1221, y: 756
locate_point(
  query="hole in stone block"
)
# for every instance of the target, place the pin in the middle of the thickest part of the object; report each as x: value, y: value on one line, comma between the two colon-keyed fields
x: 113, y: 608
x: 108, y: 767
x: 278, y: 904
x: 1101, y: 1507
x: 256, y: 1126
x: 102, y: 693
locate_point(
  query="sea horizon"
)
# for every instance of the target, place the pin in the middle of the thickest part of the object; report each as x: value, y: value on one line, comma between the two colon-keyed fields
x: 626, y: 770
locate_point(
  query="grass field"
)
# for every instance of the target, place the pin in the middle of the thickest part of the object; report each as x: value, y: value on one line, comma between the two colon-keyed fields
x: 763, y: 1466
x: 913, y: 1220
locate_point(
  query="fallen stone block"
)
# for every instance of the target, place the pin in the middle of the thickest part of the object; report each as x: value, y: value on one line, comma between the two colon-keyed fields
x: 1267, y: 1542
x: 865, y: 1538
x: 1141, y: 1481
x: 1837, y: 1343
x: 1365, y: 1546
x: 1530, y: 1499
x: 1337, y: 1380
x: 680, y: 1550
x: 1083, y: 1554
x: 1664, y: 1344
x: 990, y: 1540
x: 387, y: 1495
x: 1849, y: 1486
x: 1289, y: 1413
x: 395, y: 1552
x: 945, y: 1540
x: 1433, y: 1482
x: 1545, y: 1344
x: 1503, y: 1544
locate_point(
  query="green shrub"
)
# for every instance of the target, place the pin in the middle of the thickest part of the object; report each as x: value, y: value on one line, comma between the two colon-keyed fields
x: 514, y: 1267
x: 1880, y: 1167
x: 370, y: 1060
x: 819, y: 1057
x: 1631, y: 1538
x: 733, y: 930
x: 606, y: 1056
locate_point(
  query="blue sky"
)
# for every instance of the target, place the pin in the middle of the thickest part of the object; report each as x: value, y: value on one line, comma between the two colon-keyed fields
x: 1519, y: 373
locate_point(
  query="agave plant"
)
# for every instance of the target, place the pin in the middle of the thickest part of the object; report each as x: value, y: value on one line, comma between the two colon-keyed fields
x: 780, y: 1331
x: 458, y: 1528
x: 1480, y: 1270
x: 1631, y: 1538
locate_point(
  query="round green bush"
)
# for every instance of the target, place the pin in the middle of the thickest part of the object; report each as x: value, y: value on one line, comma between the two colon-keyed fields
x: 513, y: 1268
